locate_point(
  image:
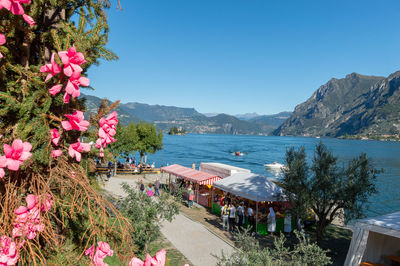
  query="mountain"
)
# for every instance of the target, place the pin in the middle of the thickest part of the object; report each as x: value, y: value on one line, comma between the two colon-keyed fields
x: 211, y: 114
x: 153, y: 113
x: 247, y: 116
x: 356, y: 104
x: 167, y: 117
x: 274, y: 120
x: 92, y: 103
x: 219, y: 124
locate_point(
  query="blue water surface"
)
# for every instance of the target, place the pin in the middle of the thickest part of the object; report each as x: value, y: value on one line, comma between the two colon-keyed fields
x: 259, y: 150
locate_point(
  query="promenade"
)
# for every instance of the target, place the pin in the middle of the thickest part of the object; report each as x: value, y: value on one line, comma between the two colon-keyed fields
x: 191, y: 238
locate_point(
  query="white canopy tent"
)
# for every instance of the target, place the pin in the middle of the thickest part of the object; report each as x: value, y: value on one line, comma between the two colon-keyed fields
x: 222, y: 170
x: 251, y: 186
x: 374, y: 239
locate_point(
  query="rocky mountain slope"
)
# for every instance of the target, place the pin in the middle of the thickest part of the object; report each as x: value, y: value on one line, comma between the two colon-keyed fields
x: 356, y: 104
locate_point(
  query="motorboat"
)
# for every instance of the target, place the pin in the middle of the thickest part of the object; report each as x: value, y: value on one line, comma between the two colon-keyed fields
x: 275, y: 166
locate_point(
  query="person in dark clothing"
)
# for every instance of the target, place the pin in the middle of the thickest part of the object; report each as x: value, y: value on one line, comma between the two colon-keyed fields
x: 156, y: 188
x: 141, y: 186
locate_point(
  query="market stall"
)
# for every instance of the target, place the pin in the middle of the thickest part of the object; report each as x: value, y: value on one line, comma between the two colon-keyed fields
x: 202, y: 181
x: 255, y: 188
x: 222, y: 170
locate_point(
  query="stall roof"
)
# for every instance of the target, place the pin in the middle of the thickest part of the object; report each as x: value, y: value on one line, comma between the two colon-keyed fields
x: 386, y: 224
x: 220, y: 169
x: 190, y: 174
x: 250, y: 186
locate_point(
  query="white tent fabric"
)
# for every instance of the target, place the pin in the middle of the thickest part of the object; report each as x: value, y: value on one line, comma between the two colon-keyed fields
x: 373, y: 239
x: 250, y: 186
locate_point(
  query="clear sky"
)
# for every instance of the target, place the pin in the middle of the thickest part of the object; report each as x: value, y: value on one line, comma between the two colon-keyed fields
x: 240, y: 56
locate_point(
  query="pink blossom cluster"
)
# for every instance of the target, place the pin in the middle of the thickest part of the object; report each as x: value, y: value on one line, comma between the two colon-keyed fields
x: 15, y: 7
x: 157, y: 260
x: 2, y: 41
x: 107, y: 131
x: 9, y: 254
x: 55, y: 138
x: 102, y: 251
x: 76, y: 148
x: 14, y: 155
x: 28, y: 220
x: 71, y: 60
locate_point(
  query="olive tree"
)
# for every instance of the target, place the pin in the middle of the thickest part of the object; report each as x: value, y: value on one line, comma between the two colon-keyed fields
x: 327, y: 187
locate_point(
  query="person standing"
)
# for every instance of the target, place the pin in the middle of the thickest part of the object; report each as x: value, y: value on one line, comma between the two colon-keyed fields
x: 190, y: 196
x: 271, y: 221
x: 250, y: 217
x: 287, y: 223
x: 194, y: 166
x: 240, y: 214
x: 232, y: 215
x: 141, y: 186
x: 157, y: 187
x: 225, y: 216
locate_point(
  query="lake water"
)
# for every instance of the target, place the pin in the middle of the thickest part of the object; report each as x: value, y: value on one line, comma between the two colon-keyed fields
x: 259, y: 150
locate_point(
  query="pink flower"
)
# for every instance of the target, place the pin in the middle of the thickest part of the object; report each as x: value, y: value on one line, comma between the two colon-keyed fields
x: 76, y: 121
x: 46, y: 205
x: 107, y: 130
x: 90, y: 251
x: 72, y: 61
x: 16, y: 8
x: 16, y: 154
x: 2, y: 38
x: 51, y: 68
x: 31, y: 201
x: 74, y: 82
x: 76, y: 148
x: 3, y: 163
x: 56, y: 153
x: 28, y: 19
x: 158, y: 260
x: 55, y: 89
x: 103, y: 250
x: 8, y: 251
x: 55, y: 136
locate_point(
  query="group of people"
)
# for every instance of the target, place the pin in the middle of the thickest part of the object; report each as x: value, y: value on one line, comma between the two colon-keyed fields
x: 233, y: 216
x: 151, y: 189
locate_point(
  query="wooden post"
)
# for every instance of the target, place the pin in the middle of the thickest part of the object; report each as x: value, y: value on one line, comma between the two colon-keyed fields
x: 210, y: 196
x: 198, y: 193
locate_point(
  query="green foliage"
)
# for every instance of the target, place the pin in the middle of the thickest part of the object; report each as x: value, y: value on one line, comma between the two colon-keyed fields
x: 141, y: 137
x: 327, y: 188
x: 146, y: 214
x: 175, y: 131
x: 251, y: 254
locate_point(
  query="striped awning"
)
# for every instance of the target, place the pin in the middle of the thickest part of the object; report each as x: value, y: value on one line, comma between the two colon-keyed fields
x: 190, y: 174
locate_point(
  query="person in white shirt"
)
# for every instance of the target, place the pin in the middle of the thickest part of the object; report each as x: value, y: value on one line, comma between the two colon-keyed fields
x: 271, y: 221
x: 232, y: 215
x: 225, y: 217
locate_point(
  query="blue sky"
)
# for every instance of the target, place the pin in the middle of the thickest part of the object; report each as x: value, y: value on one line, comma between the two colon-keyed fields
x: 240, y: 56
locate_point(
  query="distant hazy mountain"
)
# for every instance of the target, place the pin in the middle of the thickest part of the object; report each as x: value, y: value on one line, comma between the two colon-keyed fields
x: 356, y: 104
x: 153, y: 113
x: 166, y: 117
x: 211, y: 114
x: 274, y: 120
x: 247, y: 116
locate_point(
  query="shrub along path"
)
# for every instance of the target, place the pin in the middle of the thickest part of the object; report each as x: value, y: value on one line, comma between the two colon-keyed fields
x: 191, y: 238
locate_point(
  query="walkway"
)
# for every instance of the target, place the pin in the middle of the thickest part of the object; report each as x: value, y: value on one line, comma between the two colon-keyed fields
x: 191, y: 238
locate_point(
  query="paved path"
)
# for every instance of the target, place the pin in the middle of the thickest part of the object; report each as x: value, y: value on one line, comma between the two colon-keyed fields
x: 191, y: 238
x: 194, y: 241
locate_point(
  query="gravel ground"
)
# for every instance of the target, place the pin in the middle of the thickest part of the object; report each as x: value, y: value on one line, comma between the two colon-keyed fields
x: 191, y: 238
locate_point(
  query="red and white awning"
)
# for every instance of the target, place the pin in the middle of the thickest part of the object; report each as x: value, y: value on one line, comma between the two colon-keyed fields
x: 190, y: 174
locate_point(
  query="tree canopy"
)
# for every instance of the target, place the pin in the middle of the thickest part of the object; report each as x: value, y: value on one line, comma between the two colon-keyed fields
x: 326, y: 188
x: 142, y: 137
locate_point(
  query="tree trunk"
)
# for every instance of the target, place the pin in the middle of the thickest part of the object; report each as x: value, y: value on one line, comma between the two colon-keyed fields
x: 321, y: 225
x: 141, y: 157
